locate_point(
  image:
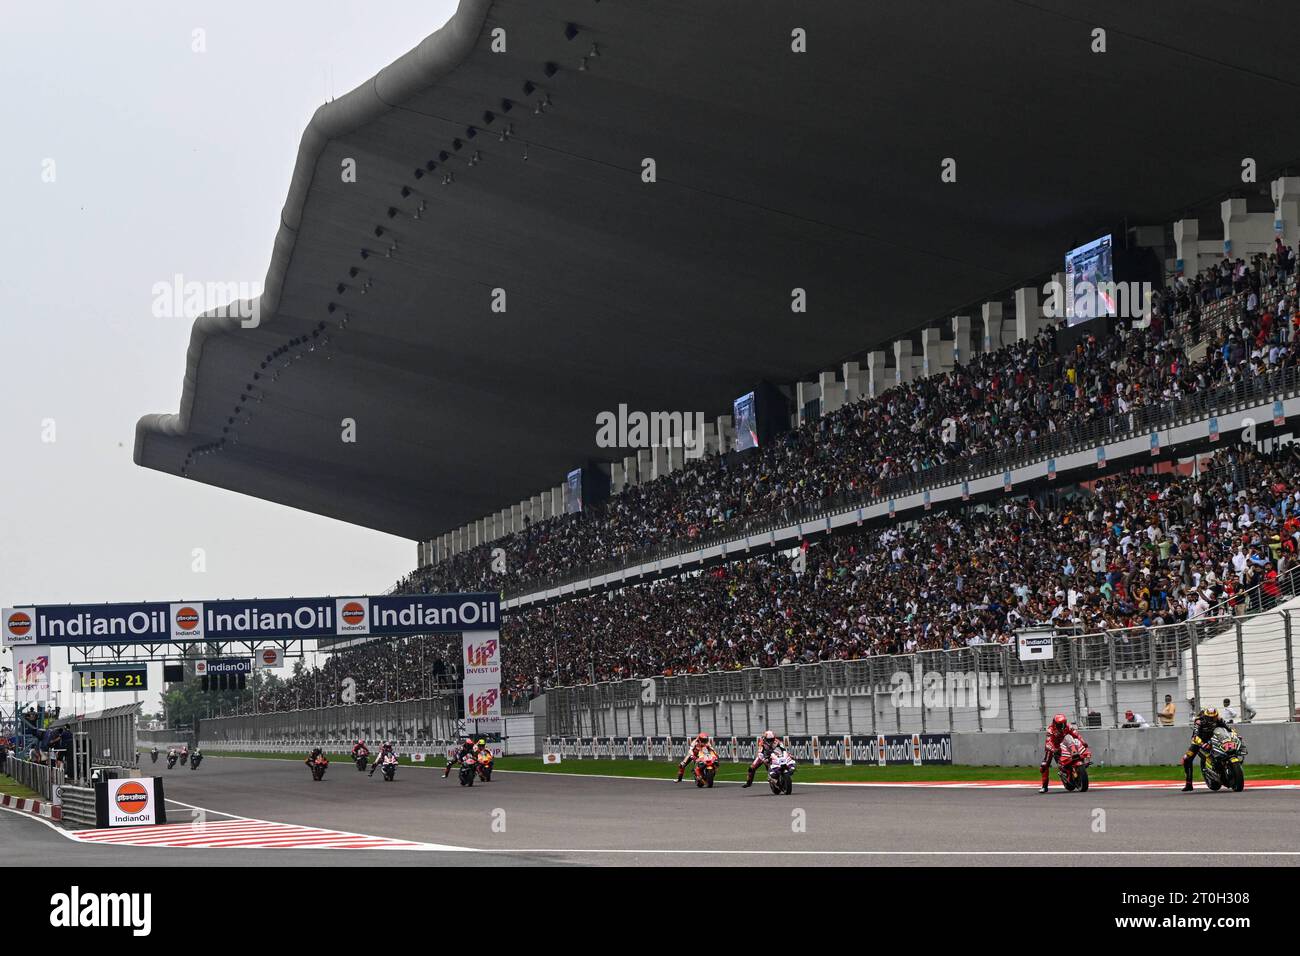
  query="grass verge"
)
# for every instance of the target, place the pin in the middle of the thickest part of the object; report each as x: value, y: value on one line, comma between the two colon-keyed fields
x: 13, y: 788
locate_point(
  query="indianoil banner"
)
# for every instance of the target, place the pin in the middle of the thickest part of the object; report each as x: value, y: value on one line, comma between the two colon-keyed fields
x: 325, y: 617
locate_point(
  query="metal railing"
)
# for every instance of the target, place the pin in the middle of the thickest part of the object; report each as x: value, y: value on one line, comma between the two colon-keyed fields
x: 43, y: 778
x: 1095, y: 677
x: 404, y: 722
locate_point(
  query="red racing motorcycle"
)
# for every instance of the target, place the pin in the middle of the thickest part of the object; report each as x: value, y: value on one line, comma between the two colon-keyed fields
x: 1074, y: 759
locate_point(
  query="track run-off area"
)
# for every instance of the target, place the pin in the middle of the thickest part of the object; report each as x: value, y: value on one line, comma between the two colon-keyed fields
x: 236, y: 811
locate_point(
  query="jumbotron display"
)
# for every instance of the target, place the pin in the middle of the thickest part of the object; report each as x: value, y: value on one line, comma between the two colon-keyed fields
x: 1090, y: 281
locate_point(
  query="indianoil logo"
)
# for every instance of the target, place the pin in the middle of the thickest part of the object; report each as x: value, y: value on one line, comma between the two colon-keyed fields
x: 187, y: 619
x: 351, y: 616
x: 19, y: 623
x: 131, y: 798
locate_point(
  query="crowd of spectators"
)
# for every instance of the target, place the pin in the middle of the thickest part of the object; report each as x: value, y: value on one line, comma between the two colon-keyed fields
x: 992, y: 406
x: 1131, y: 551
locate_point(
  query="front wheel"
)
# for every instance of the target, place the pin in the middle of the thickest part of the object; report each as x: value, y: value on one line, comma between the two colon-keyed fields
x: 787, y: 785
x: 775, y: 785
x: 1236, y: 777
x: 1083, y: 779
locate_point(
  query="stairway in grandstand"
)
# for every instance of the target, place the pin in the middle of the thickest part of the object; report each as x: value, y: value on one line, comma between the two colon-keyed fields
x: 1264, y: 664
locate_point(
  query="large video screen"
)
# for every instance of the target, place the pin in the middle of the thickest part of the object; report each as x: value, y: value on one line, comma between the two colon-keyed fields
x: 745, y: 417
x: 573, y: 491
x: 1089, y: 282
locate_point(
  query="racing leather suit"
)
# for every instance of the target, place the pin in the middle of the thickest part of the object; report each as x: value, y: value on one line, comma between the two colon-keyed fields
x: 385, y: 749
x: 1052, y: 746
x: 465, y: 750
x: 766, y: 748
x: 697, y: 747
x: 1203, y: 729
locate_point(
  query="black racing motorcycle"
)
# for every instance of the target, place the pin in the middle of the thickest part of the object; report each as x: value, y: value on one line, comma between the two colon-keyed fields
x: 1223, y: 766
x: 468, y: 770
x: 153, y: 755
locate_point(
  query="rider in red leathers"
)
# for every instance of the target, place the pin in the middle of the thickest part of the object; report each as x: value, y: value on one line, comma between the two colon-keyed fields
x: 698, y: 745
x: 767, y: 745
x: 1057, y: 731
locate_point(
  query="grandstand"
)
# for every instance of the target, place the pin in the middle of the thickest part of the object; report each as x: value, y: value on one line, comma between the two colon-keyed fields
x: 960, y: 464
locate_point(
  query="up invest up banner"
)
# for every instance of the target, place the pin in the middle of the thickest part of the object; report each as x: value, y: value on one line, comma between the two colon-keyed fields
x: 481, y: 660
x: 185, y: 621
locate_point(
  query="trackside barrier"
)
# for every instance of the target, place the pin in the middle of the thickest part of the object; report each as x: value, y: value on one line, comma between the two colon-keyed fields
x: 109, y: 735
x: 44, y: 778
x: 848, y: 749
x: 78, y: 808
x: 418, y: 726
x: 1093, y: 678
x: 1277, y: 743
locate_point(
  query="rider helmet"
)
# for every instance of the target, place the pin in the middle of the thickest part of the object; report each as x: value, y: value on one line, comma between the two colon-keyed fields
x: 702, y: 737
x: 769, y: 735
x: 1210, y: 713
x: 482, y: 743
x: 1060, y: 722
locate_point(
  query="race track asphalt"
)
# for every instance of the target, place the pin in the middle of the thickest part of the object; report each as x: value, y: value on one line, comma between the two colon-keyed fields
x: 562, y: 819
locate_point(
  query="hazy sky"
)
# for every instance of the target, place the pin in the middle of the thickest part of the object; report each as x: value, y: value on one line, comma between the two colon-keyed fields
x: 165, y: 161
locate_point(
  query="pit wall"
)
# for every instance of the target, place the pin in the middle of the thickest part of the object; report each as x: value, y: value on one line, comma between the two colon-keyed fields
x: 1153, y: 746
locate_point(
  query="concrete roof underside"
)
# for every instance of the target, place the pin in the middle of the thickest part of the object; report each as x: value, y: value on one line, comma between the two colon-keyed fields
x: 775, y: 171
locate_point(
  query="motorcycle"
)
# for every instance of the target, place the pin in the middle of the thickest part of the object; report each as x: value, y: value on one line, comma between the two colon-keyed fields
x: 706, y: 769
x: 485, y: 766
x: 171, y: 759
x: 1223, y: 769
x: 185, y: 756
x: 780, y: 773
x: 153, y: 755
x: 388, y: 766
x: 196, y: 758
x: 318, y: 767
x: 468, y: 770
x: 1074, y: 760
x: 361, y: 758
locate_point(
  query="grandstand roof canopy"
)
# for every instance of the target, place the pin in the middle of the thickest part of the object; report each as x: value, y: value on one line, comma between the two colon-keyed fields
x: 775, y: 170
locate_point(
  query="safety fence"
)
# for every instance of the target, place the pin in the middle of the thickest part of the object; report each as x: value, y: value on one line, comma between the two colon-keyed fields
x: 43, y: 778
x: 880, y: 749
x: 1098, y: 678
x: 102, y: 739
x: 426, y: 725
